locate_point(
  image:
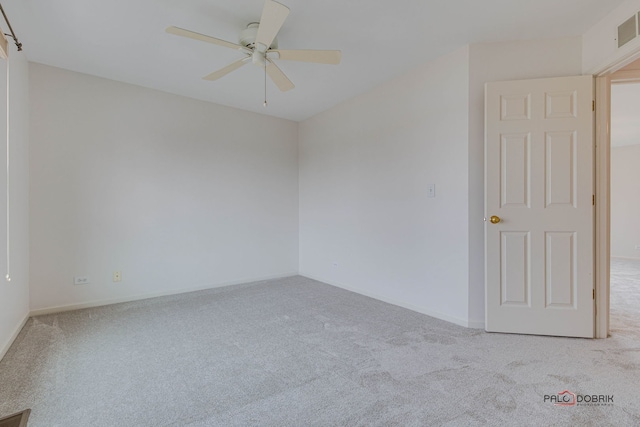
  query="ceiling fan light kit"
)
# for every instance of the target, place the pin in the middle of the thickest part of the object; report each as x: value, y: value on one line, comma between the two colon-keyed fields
x: 259, y: 44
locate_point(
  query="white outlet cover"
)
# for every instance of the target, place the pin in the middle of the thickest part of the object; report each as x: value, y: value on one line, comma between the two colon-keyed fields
x: 80, y: 280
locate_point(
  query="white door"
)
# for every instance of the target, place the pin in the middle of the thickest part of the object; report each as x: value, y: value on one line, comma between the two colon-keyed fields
x: 539, y: 180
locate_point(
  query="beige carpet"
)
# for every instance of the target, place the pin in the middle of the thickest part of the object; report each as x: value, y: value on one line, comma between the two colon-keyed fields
x: 296, y: 352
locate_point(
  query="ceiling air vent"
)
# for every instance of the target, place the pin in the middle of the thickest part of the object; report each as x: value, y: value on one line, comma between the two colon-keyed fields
x: 628, y: 30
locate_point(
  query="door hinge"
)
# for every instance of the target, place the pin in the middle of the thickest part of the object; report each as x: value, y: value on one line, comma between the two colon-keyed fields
x: 594, y: 294
x: 593, y: 105
x: 593, y: 200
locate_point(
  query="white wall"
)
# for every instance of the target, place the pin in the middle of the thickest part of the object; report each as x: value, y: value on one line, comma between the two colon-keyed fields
x: 489, y: 62
x: 14, y: 295
x: 625, y: 203
x: 175, y: 193
x: 599, y: 45
x: 364, y: 169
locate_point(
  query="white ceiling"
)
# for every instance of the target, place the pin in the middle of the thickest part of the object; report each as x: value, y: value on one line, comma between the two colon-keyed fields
x: 125, y: 40
x: 625, y: 114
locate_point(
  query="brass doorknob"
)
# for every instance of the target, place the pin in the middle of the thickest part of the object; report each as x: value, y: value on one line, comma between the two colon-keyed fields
x: 495, y: 219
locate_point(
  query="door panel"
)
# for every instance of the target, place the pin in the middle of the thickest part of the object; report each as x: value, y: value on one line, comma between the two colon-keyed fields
x: 516, y: 268
x: 539, y: 183
x: 560, y: 161
x: 514, y: 179
x: 560, y: 270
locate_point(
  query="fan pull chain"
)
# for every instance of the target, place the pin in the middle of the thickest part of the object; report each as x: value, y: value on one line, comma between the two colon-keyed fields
x: 265, y: 85
x: 8, y: 276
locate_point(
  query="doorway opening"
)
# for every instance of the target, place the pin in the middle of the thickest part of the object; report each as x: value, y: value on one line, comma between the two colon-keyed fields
x: 624, y: 201
x: 624, y: 71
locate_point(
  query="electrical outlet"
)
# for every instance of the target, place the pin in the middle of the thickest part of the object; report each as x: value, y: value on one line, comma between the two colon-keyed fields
x: 80, y: 280
x: 117, y: 276
x: 637, y: 247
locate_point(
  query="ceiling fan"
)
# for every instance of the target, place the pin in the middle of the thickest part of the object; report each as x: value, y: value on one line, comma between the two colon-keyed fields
x: 259, y: 44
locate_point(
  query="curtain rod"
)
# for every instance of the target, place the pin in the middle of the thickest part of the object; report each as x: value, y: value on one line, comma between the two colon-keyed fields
x: 12, y: 35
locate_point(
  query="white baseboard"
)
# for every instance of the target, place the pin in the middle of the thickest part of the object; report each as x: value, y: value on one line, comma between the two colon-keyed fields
x: 475, y: 324
x: 100, y: 303
x: 13, y: 337
x: 428, y: 312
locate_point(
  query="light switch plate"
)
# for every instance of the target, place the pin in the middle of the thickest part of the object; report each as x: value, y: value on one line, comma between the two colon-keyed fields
x: 431, y: 190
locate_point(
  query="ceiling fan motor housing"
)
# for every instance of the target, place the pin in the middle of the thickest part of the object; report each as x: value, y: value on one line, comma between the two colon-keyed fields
x: 248, y: 36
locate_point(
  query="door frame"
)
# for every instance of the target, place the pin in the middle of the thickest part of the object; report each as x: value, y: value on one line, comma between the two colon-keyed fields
x: 605, y: 77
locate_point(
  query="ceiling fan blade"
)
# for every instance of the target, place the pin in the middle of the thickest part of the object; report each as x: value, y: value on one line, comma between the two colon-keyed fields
x: 273, y: 16
x: 278, y: 77
x: 226, y: 70
x: 319, y: 56
x: 197, y: 36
